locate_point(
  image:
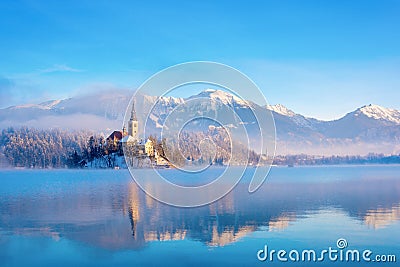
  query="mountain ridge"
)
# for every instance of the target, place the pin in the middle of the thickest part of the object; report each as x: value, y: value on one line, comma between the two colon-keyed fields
x: 370, y: 110
x: 370, y: 128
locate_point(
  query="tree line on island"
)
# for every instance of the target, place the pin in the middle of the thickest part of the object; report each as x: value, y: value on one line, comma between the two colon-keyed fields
x: 55, y: 148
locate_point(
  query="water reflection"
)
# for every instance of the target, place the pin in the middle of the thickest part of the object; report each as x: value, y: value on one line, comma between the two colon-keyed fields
x: 281, y: 223
x: 382, y: 217
x: 116, y: 214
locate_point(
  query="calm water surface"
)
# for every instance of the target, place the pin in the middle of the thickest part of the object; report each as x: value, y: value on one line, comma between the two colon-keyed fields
x: 101, y: 218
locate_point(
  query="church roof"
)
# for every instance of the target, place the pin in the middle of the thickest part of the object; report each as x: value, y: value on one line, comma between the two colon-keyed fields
x: 128, y: 139
x: 116, y: 135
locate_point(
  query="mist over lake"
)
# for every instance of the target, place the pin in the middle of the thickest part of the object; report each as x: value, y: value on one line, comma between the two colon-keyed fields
x: 102, y: 218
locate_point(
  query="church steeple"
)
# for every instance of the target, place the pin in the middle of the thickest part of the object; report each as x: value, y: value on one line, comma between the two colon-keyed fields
x: 133, y: 112
x: 133, y: 125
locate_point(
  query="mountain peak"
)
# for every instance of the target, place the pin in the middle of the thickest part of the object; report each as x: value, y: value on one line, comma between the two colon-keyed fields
x: 379, y: 113
x: 372, y: 106
x: 222, y: 96
x: 50, y: 104
x: 281, y: 109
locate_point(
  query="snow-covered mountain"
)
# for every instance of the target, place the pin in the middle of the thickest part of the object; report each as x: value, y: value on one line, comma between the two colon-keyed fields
x: 281, y: 109
x: 222, y: 96
x: 368, y: 122
x: 370, y: 128
x: 379, y: 113
x: 100, y: 111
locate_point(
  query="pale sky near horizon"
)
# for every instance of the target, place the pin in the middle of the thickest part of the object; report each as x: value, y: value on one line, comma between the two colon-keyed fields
x: 319, y: 58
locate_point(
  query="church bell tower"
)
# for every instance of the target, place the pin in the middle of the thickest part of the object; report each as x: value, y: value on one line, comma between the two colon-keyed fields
x: 133, y: 125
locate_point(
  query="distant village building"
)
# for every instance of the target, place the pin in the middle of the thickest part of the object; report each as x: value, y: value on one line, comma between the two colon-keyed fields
x: 149, y: 148
x: 160, y: 160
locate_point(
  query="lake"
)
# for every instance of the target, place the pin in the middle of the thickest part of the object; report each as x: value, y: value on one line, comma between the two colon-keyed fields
x: 101, y: 218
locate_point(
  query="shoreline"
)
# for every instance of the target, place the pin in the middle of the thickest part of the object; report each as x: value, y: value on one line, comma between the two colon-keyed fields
x: 217, y: 167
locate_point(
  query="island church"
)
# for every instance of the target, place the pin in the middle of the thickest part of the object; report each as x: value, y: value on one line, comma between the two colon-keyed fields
x: 132, y: 141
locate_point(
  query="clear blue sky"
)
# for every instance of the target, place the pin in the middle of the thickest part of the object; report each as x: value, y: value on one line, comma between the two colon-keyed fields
x: 319, y: 58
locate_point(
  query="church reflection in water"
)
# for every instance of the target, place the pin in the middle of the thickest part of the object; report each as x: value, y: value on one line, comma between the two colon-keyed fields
x: 274, y: 208
x: 121, y: 216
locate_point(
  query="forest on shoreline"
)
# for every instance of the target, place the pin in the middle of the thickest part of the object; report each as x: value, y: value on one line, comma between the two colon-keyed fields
x: 55, y: 148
